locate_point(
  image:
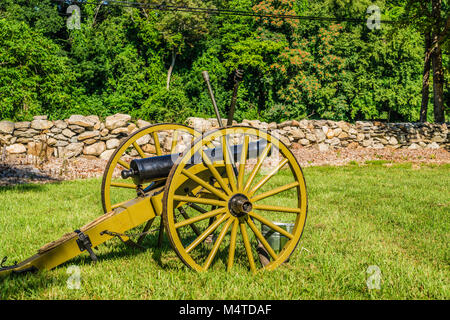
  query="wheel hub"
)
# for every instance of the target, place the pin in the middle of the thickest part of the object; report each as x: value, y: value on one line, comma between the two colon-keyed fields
x: 239, y: 205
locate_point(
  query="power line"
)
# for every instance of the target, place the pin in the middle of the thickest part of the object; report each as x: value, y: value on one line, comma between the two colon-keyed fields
x: 212, y: 11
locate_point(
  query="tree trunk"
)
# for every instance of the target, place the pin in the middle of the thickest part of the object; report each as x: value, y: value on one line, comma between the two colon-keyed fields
x: 169, y: 72
x: 438, y: 72
x: 426, y: 78
x: 438, y: 85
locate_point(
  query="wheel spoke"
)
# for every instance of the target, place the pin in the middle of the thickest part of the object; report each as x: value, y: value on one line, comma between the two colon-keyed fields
x: 186, y: 217
x: 247, y: 246
x: 276, y: 208
x: 215, y: 173
x: 124, y: 164
x: 257, y: 166
x: 206, y: 233
x: 123, y: 185
x: 204, y: 184
x: 232, y: 247
x: 267, y: 177
x: 197, y: 207
x: 210, y: 145
x: 228, y: 163
x: 262, y: 239
x: 200, y: 217
x: 200, y: 200
x: 242, y: 163
x: 139, y: 149
x: 174, y: 141
x: 271, y: 225
x: 216, y: 246
x: 274, y: 191
x: 157, y: 144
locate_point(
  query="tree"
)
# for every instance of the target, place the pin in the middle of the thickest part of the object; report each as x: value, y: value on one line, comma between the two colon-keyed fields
x: 433, y: 18
x: 426, y: 78
x: 439, y: 33
x: 125, y: 59
x: 35, y: 74
x: 181, y: 30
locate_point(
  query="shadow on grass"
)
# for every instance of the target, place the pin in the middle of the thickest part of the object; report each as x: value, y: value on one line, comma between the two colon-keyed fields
x: 164, y: 256
x: 27, y: 187
x: 22, y: 178
x: 15, y: 286
x: 42, y: 282
x: 120, y: 250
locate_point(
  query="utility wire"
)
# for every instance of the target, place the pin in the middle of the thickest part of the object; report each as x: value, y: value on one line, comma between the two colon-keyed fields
x: 165, y: 7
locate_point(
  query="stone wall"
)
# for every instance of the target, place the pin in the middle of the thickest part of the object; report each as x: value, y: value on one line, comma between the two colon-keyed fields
x: 89, y: 136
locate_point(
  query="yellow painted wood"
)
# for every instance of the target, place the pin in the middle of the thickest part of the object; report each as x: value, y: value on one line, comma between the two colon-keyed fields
x: 138, y: 149
x: 261, y: 238
x: 267, y: 177
x: 128, y: 216
x: 275, y: 191
x: 232, y: 246
x: 216, y: 246
x: 247, y: 246
x: 215, y: 173
x: 206, y: 233
x: 229, y: 164
x: 257, y: 166
x: 204, y: 216
x: 242, y: 164
x: 123, y: 185
x: 204, y: 184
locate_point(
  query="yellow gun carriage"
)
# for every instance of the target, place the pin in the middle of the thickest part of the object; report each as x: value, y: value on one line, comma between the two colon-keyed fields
x: 212, y: 193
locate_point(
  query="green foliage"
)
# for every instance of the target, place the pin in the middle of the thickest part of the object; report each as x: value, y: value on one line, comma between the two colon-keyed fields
x: 182, y: 29
x: 35, y: 76
x: 164, y: 106
x: 119, y: 61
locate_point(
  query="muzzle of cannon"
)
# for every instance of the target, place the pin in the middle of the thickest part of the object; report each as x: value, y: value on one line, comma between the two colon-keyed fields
x: 149, y: 169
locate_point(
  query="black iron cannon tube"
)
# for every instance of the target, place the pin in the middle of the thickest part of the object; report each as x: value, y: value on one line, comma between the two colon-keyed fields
x: 148, y: 169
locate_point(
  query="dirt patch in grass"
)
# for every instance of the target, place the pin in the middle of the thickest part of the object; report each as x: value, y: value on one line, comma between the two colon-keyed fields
x: 312, y: 157
x: 19, y: 170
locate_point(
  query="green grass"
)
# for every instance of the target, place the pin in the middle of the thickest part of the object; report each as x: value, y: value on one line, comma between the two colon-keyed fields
x: 395, y: 218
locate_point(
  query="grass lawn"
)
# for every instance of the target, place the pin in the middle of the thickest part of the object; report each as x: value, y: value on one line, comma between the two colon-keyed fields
x: 395, y: 218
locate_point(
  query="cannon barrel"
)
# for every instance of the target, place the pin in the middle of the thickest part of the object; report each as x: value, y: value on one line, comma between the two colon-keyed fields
x: 148, y: 169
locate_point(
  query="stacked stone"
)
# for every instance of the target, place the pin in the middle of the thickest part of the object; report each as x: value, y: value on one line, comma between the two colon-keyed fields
x: 327, y: 134
x: 88, y: 136
x: 78, y: 135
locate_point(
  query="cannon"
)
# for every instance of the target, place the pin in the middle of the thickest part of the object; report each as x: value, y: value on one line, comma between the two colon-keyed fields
x: 149, y: 169
x: 213, y: 193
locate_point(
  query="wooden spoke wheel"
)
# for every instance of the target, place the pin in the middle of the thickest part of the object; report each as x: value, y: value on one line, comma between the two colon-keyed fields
x: 231, y: 209
x: 150, y: 141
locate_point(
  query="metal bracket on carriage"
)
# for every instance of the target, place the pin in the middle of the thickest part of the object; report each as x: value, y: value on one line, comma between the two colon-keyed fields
x: 5, y: 267
x: 84, y: 243
x: 15, y: 266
